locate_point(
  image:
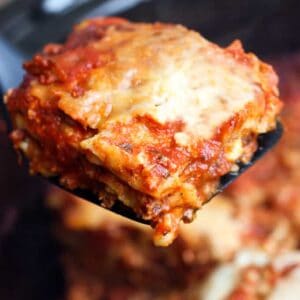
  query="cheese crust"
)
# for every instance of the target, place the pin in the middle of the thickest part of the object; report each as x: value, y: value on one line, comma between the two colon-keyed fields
x: 149, y: 114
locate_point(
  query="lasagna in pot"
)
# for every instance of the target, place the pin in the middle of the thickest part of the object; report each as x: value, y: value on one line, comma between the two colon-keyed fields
x: 151, y: 115
x: 105, y: 256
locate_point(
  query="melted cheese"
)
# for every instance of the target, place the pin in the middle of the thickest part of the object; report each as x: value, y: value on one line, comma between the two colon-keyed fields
x: 171, y: 74
x: 288, y: 287
x: 224, y: 279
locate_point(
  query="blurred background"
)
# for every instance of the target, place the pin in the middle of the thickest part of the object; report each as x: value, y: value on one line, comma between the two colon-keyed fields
x: 30, y: 265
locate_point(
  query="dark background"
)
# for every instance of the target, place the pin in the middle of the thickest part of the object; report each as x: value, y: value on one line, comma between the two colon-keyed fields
x: 265, y: 26
x: 29, y: 267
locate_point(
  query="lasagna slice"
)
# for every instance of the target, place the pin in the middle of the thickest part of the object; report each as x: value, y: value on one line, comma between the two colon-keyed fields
x: 151, y: 115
